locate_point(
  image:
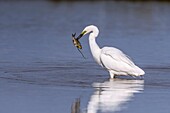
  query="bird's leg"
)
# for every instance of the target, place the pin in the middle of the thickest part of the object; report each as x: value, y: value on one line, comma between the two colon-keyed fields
x: 111, y: 75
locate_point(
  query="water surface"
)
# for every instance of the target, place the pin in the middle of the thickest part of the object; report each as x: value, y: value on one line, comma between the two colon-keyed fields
x: 42, y: 72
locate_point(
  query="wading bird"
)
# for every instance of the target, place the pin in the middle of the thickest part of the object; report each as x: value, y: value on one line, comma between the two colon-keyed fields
x: 112, y: 59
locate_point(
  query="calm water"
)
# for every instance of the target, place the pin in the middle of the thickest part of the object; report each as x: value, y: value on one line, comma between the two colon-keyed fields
x: 42, y: 72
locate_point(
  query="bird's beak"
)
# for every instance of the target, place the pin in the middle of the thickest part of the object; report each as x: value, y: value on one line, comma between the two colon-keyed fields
x: 82, y: 34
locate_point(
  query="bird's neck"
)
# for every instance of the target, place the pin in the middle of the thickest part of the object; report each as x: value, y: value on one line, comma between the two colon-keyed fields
x: 95, y: 50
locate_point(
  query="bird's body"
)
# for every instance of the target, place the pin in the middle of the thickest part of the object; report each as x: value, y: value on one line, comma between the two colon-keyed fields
x: 112, y: 59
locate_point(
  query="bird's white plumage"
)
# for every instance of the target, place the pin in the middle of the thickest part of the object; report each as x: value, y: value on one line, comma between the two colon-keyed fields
x: 113, y: 59
x: 117, y: 55
x: 118, y: 63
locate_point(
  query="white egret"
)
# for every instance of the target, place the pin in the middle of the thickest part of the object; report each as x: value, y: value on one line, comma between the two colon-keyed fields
x: 113, y: 59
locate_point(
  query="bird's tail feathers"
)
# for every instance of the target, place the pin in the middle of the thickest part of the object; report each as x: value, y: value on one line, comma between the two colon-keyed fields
x: 137, y: 71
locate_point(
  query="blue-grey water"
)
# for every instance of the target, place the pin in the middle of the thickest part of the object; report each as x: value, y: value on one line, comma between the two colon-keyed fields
x: 42, y: 72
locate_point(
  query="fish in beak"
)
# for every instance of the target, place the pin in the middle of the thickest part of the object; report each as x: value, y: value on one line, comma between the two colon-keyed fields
x: 76, y: 41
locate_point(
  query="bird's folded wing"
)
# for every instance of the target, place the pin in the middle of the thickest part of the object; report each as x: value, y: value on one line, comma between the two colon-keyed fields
x: 113, y: 58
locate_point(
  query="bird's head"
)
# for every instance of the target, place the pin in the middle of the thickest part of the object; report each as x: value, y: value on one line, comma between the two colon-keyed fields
x: 88, y: 29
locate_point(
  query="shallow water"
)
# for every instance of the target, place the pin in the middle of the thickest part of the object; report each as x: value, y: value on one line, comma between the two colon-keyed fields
x: 42, y: 72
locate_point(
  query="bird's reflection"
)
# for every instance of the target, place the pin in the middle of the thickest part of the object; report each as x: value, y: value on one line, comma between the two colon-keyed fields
x: 111, y: 95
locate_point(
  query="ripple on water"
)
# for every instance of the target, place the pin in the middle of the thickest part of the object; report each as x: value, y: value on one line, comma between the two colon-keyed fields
x: 77, y: 74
